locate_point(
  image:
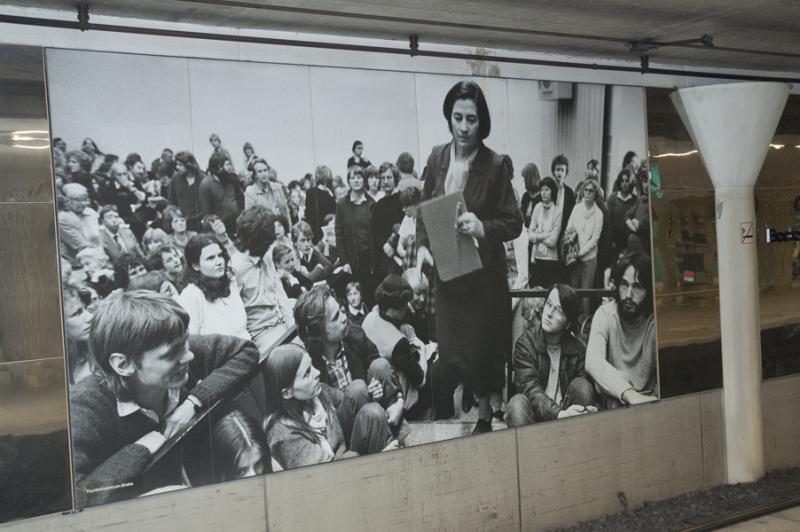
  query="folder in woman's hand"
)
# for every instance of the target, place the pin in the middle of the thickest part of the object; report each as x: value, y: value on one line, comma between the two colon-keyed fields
x: 454, y: 254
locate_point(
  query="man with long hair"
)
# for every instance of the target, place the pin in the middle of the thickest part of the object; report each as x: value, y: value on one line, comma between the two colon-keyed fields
x: 621, y: 352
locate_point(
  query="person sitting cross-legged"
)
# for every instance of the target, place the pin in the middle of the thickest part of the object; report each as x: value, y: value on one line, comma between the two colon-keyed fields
x: 549, y: 365
x: 343, y: 354
x: 309, y: 422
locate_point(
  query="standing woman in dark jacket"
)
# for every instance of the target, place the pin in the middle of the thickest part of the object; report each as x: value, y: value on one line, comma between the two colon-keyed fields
x: 473, y: 312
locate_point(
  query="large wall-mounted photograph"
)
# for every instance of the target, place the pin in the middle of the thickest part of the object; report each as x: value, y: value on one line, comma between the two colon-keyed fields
x: 271, y: 266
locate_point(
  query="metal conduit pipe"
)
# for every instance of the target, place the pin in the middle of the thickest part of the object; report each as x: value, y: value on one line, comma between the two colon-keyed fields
x: 115, y: 28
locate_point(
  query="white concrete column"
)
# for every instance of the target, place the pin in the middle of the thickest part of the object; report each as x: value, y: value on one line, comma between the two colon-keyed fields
x: 732, y: 126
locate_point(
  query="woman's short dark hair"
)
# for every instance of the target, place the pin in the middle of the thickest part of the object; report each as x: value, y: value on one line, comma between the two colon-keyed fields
x: 256, y: 228
x: 550, y: 183
x: 410, y: 196
x: 570, y: 302
x: 468, y: 90
x: 559, y: 160
x: 389, y: 166
x: 356, y: 144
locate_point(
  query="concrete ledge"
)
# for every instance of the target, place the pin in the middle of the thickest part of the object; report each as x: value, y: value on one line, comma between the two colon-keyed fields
x: 552, y: 474
x: 591, y: 465
x: 464, y: 484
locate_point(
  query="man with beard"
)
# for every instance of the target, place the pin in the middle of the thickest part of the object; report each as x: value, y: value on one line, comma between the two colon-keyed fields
x: 619, y: 203
x: 621, y: 353
x: 151, y: 379
x: 220, y: 192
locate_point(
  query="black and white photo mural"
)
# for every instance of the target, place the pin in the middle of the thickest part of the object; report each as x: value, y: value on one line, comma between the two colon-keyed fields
x: 271, y: 266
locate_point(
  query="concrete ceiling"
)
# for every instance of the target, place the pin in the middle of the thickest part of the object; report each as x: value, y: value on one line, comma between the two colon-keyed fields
x: 763, y: 35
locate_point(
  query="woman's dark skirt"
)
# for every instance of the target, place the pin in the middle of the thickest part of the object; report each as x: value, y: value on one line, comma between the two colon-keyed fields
x: 473, y: 327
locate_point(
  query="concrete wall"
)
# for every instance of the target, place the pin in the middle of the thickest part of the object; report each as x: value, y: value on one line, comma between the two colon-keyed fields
x: 534, y: 478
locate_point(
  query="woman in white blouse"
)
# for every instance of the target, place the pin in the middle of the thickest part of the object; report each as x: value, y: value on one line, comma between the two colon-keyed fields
x: 211, y: 296
x: 587, y: 220
x: 543, y: 232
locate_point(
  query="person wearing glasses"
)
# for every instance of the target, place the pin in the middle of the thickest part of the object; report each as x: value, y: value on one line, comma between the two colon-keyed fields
x: 549, y: 366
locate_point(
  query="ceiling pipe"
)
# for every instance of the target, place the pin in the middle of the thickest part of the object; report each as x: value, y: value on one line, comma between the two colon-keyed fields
x: 731, y: 126
x: 137, y: 30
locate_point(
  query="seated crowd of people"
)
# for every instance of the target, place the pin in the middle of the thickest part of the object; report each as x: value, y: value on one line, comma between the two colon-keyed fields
x: 180, y: 286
